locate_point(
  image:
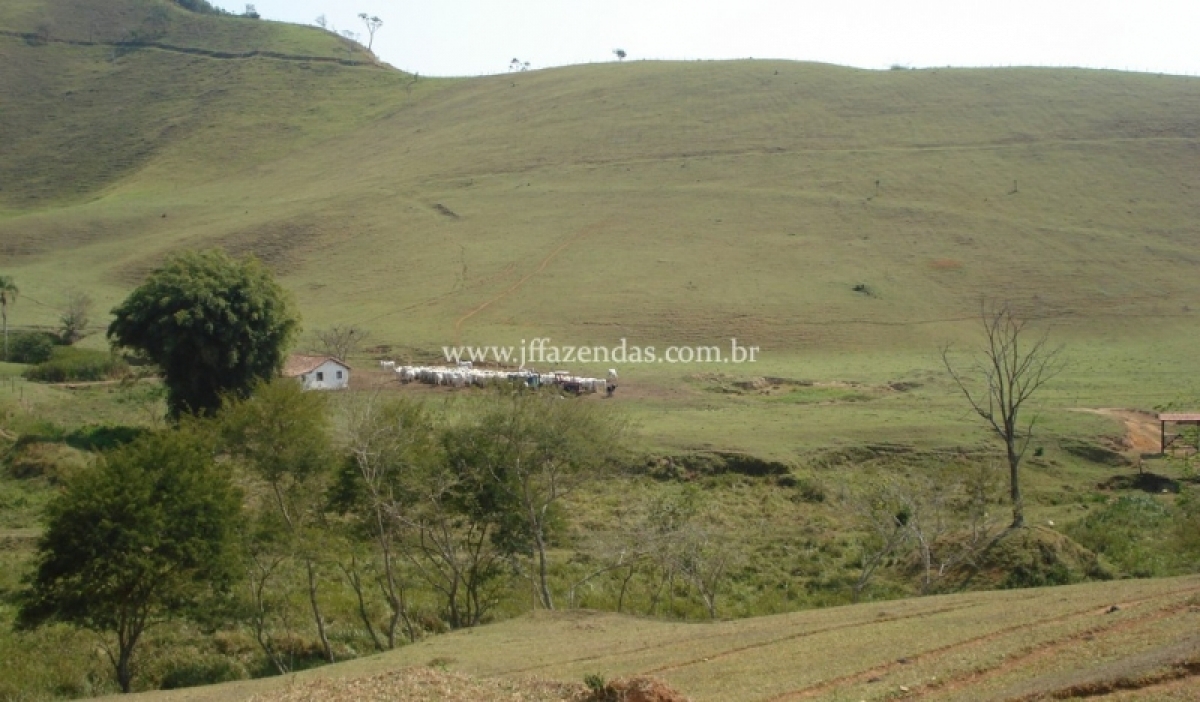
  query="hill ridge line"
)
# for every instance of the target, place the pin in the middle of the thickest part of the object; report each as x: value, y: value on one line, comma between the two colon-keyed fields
x: 33, y: 38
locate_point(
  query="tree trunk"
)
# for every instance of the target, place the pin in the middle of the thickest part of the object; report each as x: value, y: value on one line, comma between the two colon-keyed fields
x: 1018, y: 508
x: 355, y: 580
x: 624, y: 587
x: 393, y: 590
x: 125, y: 667
x: 128, y: 633
x: 543, y: 584
x: 316, y: 610
x: 258, y: 585
x: 927, y: 561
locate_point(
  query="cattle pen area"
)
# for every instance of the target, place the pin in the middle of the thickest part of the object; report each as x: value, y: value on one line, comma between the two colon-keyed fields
x: 1179, y: 421
x: 465, y: 374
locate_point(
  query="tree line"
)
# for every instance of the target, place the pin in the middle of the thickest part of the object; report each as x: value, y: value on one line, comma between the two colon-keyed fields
x: 252, y: 488
x: 230, y: 516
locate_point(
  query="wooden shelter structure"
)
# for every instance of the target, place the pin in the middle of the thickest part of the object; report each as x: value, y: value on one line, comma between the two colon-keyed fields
x: 1178, y: 419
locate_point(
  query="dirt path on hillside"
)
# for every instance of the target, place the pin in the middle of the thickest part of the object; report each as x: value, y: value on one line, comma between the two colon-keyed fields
x: 591, y: 228
x: 84, y: 384
x: 1142, y: 430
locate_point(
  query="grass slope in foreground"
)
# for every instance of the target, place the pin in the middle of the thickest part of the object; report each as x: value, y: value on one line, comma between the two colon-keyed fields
x: 1013, y: 645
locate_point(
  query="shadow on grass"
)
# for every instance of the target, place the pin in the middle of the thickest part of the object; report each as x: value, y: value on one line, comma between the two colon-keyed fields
x: 102, y: 437
x: 1146, y: 482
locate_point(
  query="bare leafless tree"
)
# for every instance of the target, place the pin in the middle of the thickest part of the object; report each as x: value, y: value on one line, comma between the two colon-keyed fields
x: 944, y: 522
x: 340, y: 341
x: 389, y: 441
x: 881, y: 513
x: 269, y: 614
x: 75, y: 316
x: 455, y: 553
x: 704, y: 559
x: 948, y: 522
x: 626, y: 549
x: 1010, y: 367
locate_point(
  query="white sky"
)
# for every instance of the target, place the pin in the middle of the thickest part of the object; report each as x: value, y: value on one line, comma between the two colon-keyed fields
x: 471, y: 37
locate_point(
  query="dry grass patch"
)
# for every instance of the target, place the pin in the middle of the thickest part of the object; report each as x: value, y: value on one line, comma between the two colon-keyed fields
x: 427, y: 685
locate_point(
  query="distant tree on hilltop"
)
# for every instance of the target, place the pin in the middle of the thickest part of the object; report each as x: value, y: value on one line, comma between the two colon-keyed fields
x: 373, y: 24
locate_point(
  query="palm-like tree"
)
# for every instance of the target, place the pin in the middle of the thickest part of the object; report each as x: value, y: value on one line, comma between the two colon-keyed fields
x: 8, y: 293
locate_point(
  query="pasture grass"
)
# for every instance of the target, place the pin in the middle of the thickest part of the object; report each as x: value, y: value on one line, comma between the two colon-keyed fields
x: 659, y: 202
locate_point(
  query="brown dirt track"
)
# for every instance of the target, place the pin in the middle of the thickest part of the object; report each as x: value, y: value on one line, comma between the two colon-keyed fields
x: 1141, y: 429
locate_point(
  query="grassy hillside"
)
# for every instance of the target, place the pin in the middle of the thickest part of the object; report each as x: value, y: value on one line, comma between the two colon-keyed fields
x: 1132, y: 639
x: 163, y: 22
x: 664, y: 203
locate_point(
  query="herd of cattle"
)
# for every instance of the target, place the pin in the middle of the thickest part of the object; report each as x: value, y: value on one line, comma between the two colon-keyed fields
x: 465, y: 374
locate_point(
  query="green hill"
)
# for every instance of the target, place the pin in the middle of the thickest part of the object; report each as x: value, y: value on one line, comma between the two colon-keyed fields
x: 661, y: 202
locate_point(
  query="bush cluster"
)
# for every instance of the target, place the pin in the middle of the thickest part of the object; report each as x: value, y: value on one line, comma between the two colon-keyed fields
x: 68, y: 364
x: 31, y: 347
x: 1134, y: 532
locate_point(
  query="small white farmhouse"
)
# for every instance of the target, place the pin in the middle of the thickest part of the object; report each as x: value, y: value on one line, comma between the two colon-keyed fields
x: 318, y: 372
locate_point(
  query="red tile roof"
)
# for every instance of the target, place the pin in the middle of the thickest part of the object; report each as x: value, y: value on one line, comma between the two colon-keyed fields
x: 297, y: 365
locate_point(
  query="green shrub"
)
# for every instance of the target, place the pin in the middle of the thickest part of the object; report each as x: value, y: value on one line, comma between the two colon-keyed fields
x: 807, y: 488
x: 595, y: 682
x: 1037, y: 575
x: 31, y: 347
x: 70, y: 364
x: 205, y: 670
x: 1132, y: 532
x: 31, y: 459
x: 102, y: 437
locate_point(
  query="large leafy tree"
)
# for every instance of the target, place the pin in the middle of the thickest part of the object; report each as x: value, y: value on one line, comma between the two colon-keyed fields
x: 215, y: 326
x: 8, y: 294
x: 149, y: 533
